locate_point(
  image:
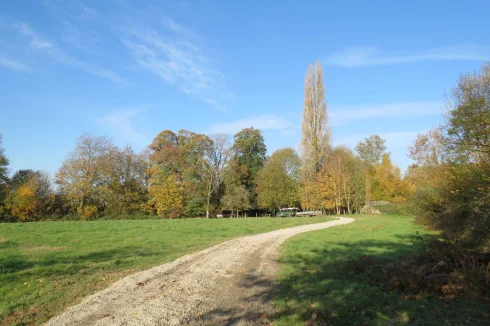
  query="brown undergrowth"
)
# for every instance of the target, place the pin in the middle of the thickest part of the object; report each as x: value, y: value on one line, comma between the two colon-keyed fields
x: 443, y: 269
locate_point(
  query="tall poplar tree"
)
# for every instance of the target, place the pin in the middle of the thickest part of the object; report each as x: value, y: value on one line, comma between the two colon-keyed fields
x: 315, y: 139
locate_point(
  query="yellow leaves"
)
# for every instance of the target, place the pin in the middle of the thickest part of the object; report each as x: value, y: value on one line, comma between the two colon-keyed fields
x: 87, y: 212
x: 315, y: 132
x: 167, y: 198
x: 327, y: 189
x: 387, y: 182
x: 310, y: 195
x: 23, y: 202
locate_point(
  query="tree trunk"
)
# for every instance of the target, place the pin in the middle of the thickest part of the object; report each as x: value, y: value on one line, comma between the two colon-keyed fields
x: 208, y: 200
x: 368, y: 194
x: 207, y: 206
x: 81, y: 204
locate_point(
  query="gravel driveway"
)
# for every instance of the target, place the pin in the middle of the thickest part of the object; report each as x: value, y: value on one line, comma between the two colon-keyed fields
x: 227, y: 284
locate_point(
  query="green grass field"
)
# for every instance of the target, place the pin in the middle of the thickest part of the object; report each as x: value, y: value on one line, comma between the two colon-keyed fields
x: 327, y: 279
x: 47, y: 266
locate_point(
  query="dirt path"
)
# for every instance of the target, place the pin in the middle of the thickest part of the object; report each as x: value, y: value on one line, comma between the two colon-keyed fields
x: 227, y: 284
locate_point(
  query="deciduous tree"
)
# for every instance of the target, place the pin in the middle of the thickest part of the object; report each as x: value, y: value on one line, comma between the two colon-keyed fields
x: 167, y: 197
x: 23, y: 202
x: 127, y: 185
x: 249, y: 152
x: 236, y: 198
x: 84, y: 171
x: 358, y: 183
x: 428, y: 148
x: 181, y: 157
x: 335, y: 179
x: 216, y: 158
x: 278, y: 181
x: 341, y: 183
x: 387, y: 183
x: 20, y: 177
x: 454, y: 196
x: 315, y: 138
x: 3, y: 177
x: 468, y: 120
x: 32, y: 197
x: 371, y: 150
x: 310, y: 196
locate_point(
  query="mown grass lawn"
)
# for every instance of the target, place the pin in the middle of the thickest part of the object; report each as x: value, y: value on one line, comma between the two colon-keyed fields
x: 47, y: 266
x: 327, y: 279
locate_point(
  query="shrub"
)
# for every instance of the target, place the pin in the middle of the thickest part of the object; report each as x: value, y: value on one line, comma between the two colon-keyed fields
x: 443, y: 268
x: 394, y: 209
x: 88, y: 212
x: 458, y: 204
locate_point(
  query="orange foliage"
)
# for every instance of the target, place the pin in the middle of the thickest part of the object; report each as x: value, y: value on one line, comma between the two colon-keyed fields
x: 23, y: 203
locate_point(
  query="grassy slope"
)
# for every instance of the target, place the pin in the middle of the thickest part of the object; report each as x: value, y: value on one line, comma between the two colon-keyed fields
x: 46, y: 266
x: 324, y: 277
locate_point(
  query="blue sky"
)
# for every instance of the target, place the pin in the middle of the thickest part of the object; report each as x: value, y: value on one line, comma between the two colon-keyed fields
x: 130, y: 69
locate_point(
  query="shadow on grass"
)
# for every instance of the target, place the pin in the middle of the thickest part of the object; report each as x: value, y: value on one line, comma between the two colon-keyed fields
x: 54, y: 263
x: 350, y: 284
x: 342, y: 283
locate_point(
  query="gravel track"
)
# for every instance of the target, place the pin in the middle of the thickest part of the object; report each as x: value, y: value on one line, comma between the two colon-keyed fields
x: 231, y: 283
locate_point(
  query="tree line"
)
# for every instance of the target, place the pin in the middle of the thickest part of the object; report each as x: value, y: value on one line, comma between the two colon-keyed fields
x: 451, y: 174
x: 187, y: 174
x: 337, y: 179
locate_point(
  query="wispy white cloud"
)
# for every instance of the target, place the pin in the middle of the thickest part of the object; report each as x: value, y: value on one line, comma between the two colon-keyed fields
x: 39, y: 43
x: 368, y: 56
x: 71, y: 10
x: 396, y: 143
x: 78, y: 25
x: 263, y: 122
x: 290, y: 124
x: 123, y: 125
x: 13, y: 65
x: 36, y: 41
x: 394, y: 140
x: 172, y: 24
x: 174, y: 57
x: 78, y: 38
x: 340, y: 116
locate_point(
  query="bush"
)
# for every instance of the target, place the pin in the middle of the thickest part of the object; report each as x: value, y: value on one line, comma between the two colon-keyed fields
x: 443, y: 269
x: 394, y: 209
x: 458, y: 204
x: 88, y: 212
x: 129, y: 216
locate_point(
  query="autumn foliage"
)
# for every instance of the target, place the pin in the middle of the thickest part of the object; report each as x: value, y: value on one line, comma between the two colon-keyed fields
x: 452, y: 172
x: 187, y: 174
